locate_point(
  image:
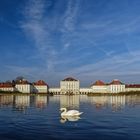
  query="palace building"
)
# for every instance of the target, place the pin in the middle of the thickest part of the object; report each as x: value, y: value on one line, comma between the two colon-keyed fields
x: 99, y: 87
x: 116, y: 86
x: 40, y: 87
x: 69, y: 86
x: 24, y: 86
x: 6, y: 87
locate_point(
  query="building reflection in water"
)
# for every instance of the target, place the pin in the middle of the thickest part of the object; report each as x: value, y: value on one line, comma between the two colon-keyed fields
x: 133, y: 100
x: 41, y: 101
x: 83, y: 99
x: 115, y: 102
x: 21, y: 102
x: 69, y: 101
x: 98, y: 101
x: 6, y: 100
x: 54, y: 99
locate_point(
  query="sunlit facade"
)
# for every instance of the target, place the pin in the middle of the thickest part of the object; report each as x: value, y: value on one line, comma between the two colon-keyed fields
x: 55, y: 90
x: 24, y: 87
x: 40, y: 87
x: 116, y: 86
x: 132, y: 87
x: 6, y: 87
x: 99, y: 87
x: 85, y: 90
x: 69, y: 86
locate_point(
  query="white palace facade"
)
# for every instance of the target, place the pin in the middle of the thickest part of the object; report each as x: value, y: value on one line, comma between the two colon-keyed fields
x: 69, y: 86
x: 72, y: 86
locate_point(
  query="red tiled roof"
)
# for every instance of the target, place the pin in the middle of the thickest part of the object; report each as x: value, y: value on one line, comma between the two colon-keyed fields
x: 6, y: 85
x: 133, y: 86
x: 116, y: 82
x: 40, y: 83
x: 98, y: 83
x: 69, y: 79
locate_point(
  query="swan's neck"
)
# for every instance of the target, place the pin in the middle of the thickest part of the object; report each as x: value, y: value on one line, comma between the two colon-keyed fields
x: 65, y: 110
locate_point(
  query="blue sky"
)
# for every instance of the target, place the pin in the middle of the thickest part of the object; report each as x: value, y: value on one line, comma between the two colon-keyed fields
x: 86, y: 39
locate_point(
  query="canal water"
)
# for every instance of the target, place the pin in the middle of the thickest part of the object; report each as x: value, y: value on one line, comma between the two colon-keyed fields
x: 24, y: 117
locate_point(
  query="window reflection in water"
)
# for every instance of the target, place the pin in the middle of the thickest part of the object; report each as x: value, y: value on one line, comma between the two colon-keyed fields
x: 21, y: 102
x: 69, y: 101
x: 41, y: 101
x: 116, y: 102
x: 6, y: 100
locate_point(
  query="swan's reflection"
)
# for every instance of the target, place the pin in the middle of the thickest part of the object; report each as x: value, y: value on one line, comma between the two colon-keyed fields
x: 70, y: 118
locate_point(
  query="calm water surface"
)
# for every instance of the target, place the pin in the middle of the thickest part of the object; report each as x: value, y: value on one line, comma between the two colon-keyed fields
x: 24, y: 117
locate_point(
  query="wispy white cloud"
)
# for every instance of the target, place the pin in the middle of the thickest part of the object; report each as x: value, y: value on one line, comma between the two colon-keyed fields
x: 35, y: 28
x: 95, y: 25
x: 70, y: 15
x: 111, y: 26
x: 40, y: 28
x: 32, y: 23
x: 69, y: 20
x: 117, y: 65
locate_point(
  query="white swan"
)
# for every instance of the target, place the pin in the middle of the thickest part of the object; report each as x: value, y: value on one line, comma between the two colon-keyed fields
x: 66, y: 113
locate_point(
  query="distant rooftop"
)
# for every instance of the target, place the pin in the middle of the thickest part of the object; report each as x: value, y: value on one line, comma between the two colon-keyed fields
x: 98, y: 83
x: 40, y: 83
x: 133, y: 86
x: 116, y: 82
x: 69, y: 79
x: 6, y: 85
x: 101, y: 83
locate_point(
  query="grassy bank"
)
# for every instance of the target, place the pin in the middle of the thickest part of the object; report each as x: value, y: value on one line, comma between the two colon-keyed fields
x: 24, y: 94
x: 19, y: 93
x: 8, y: 92
x: 115, y: 94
